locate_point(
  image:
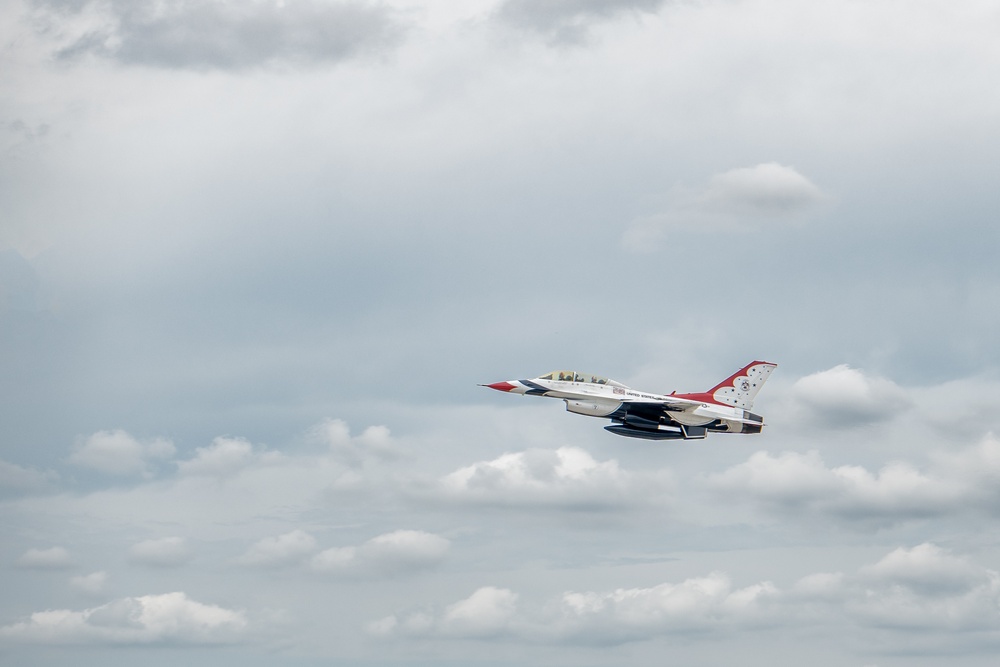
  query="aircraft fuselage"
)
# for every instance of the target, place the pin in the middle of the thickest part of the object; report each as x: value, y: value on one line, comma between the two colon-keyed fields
x: 723, y: 409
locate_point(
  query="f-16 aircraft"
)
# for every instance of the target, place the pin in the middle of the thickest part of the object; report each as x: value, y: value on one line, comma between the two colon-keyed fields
x: 725, y: 408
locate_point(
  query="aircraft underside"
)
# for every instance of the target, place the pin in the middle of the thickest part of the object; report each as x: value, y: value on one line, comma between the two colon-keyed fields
x: 654, y: 423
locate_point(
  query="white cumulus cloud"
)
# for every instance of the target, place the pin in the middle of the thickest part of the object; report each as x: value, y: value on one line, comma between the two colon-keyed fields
x: 567, y: 477
x: 697, y: 603
x: 487, y: 613
x: 802, y: 483
x: 926, y: 568
x: 766, y: 189
x: 171, y: 617
x: 398, y: 552
x: 593, y: 617
x: 734, y: 200
x: 843, y: 397
x: 374, y: 442
x: 794, y: 483
x: 118, y: 453
x: 926, y: 588
x: 225, y: 457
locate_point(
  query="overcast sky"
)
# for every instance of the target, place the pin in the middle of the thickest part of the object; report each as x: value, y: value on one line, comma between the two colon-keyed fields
x: 255, y: 256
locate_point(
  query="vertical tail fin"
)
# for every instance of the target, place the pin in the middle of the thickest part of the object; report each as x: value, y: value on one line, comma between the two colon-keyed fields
x: 740, y: 388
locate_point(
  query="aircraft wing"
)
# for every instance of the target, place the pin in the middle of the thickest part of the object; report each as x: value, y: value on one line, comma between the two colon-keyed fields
x: 679, y: 405
x: 666, y: 404
x: 655, y: 410
x: 660, y: 407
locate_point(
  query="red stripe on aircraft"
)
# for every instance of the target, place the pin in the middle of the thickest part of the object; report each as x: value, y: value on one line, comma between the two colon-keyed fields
x: 501, y: 386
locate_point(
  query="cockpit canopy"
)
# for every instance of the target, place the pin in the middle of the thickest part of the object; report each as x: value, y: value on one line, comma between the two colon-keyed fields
x: 574, y: 376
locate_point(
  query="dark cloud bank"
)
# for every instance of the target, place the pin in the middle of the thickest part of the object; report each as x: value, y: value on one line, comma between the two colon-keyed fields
x: 218, y: 35
x: 569, y: 21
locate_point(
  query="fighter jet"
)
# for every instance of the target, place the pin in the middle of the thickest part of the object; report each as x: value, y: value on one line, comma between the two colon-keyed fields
x: 725, y: 408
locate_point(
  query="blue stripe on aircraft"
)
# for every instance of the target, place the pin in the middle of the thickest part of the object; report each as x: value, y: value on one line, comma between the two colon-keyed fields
x: 535, y: 388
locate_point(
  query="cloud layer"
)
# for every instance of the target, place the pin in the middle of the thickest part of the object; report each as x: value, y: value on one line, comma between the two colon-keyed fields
x: 237, y: 487
x: 922, y: 588
x: 223, y: 222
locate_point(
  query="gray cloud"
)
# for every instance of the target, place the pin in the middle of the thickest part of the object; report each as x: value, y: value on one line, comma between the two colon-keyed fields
x: 161, y: 552
x: 215, y: 34
x: 569, y: 21
x: 18, y: 281
x: 90, y: 584
x: 17, y: 480
x: 53, y: 558
x: 286, y: 549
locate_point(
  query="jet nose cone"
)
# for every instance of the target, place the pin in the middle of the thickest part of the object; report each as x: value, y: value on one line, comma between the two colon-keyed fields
x: 501, y: 386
